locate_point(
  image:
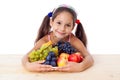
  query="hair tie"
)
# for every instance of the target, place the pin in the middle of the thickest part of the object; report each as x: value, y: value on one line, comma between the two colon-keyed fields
x: 50, y: 14
x: 77, y: 21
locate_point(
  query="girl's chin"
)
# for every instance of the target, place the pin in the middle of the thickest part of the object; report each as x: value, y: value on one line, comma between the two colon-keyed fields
x: 59, y: 36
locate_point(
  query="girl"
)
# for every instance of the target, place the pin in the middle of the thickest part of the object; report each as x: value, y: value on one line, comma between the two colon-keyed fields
x: 56, y: 26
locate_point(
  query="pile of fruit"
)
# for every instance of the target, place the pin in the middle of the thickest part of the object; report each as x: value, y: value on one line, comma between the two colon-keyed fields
x: 56, y: 55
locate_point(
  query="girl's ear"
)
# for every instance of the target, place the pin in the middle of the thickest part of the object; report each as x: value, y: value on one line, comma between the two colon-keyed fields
x: 73, y: 28
x: 51, y: 22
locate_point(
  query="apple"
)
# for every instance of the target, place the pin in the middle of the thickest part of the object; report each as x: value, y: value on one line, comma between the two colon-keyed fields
x: 79, y: 56
x: 62, y: 59
x: 64, y: 55
x: 75, y: 57
x: 61, y: 62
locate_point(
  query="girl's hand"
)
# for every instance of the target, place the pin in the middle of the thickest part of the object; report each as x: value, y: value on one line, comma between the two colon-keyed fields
x: 38, y: 67
x: 69, y: 67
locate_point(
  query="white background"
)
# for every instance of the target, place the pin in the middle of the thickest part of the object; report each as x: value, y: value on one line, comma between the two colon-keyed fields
x: 20, y: 21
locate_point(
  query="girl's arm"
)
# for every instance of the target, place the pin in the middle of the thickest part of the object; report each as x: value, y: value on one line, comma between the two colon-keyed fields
x: 78, y: 67
x: 25, y: 57
x: 88, y: 60
x: 35, y: 66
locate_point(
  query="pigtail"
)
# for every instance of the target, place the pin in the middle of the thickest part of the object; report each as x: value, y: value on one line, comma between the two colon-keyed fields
x: 44, y: 28
x: 80, y: 34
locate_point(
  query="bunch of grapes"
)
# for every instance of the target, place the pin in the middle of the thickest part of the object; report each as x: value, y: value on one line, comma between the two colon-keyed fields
x: 65, y: 47
x: 51, y: 59
x: 34, y: 56
x: 43, y: 52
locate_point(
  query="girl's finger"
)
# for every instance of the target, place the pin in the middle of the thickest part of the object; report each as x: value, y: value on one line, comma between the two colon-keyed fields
x: 42, y: 61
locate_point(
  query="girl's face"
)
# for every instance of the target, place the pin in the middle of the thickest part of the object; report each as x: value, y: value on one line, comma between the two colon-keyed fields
x: 62, y: 25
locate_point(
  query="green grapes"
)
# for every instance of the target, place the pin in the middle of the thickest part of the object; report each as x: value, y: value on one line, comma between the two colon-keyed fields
x: 34, y: 56
x: 42, y: 52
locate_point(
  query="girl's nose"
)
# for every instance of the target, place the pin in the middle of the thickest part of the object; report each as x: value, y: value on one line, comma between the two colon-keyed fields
x: 62, y: 28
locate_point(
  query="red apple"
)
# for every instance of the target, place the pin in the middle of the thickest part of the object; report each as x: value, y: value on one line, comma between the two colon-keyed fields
x: 73, y: 58
x: 79, y: 56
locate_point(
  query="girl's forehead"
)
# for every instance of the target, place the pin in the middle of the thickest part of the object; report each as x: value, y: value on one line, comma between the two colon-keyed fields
x: 64, y: 14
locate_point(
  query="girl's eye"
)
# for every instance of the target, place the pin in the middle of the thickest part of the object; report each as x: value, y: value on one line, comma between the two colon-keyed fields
x: 68, y: 25
x: 58, y: 22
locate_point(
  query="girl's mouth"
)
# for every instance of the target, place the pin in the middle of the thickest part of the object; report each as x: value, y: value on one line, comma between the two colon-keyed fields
x: 61, y: 33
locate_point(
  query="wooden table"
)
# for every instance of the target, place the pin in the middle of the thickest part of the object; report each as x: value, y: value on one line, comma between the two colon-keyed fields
x: 106, y: 67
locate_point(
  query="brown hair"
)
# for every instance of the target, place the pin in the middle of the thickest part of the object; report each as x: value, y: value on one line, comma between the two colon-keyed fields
x: 45, y: 26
